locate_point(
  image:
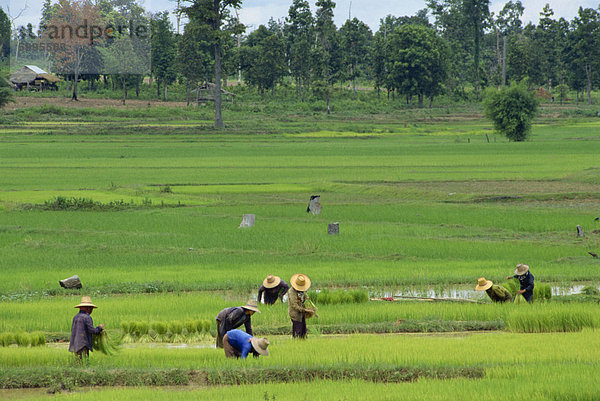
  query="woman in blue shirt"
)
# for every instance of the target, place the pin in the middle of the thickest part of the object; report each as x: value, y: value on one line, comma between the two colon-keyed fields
x: 238, y: 344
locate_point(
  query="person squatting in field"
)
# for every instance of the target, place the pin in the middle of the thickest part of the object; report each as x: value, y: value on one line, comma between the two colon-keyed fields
x: 296, y: 309
x: 497, y: 293
x: 234, y: 317
x: 82, y: 329
x: 525, y: 279
x: 272, y: 287
x: 238, y: 344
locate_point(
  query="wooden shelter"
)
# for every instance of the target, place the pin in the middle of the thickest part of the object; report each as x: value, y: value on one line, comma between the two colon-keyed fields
x: 33, y: 78
x: 206, y: 92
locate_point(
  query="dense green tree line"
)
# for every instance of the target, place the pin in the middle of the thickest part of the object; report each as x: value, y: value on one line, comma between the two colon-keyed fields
x: 453, y: 47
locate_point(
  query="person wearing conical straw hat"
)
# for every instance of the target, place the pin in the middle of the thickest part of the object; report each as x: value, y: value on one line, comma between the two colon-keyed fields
x: 272, y: 287
x: 234, y: 317
x: 83, y: 328
x: 238, y: 344
x: 525, y: 279
x: 496, y: 292
x: 296, y: 309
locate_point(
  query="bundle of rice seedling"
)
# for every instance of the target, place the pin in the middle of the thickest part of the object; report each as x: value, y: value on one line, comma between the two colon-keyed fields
x: 23, y: 339
x: 160, y: 331
x: 200, y: 326
x: 176, y: 331
x: 103, y: 343
x: 191, y: 331
x: 126, y: 335
x: 142, y: 330
x: 7, y: 339
x: 520, y: 300
x: 38, y: 339
x: 190, y: 327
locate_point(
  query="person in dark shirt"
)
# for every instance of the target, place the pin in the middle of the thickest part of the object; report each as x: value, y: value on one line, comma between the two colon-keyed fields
x: 234, y: 317
x: 238, y: 344
x: 496, y: 292
x: 525, y: 279
x: 272, y: 287
x: 82, y: 329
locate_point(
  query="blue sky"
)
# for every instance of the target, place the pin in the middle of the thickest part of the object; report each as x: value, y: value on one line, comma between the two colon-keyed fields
x: 256, y: 12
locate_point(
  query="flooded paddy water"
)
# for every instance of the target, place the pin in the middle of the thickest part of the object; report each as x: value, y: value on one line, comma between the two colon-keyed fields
x: 468, y: 291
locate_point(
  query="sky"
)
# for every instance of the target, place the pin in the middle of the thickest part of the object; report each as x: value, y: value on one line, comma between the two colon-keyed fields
x: 256, y: 12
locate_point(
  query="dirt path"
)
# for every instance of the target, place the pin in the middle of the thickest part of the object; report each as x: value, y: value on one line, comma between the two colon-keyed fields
x: 21, y: 102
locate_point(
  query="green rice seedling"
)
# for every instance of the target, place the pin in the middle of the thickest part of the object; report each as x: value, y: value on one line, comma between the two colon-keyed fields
x: 104, y: 344
x: 175, y: 331
x: 7, y: 339
x: 543, y: 320
x: 190, y: 331
x: 190, y: 327
x: 161, y: 329
x: 126, y: 337
x: 38, y: 339
x: 142, y: 331
x: 359, y: 296
x: 199, y: 326
x: 23, y: 339
x: 542, y: 292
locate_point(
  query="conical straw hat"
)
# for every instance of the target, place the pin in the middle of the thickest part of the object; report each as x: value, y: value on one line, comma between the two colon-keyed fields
x: 300, y: 282
x: 86, y: 301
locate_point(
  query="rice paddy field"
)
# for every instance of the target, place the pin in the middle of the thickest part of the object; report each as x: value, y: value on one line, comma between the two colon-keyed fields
x: 144, y: 205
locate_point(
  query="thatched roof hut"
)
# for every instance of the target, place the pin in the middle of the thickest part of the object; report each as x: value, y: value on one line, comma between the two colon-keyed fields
x: 206, y: 92
x: 34, y: 78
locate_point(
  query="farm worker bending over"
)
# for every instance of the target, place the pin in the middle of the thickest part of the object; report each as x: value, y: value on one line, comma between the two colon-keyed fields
x: 238, y: 344
x: 272, y: 287
x: 497, y: 293
x: 296, y: 298
x: 234, y: 317
x: 83, y: 328
x: 526, y: 279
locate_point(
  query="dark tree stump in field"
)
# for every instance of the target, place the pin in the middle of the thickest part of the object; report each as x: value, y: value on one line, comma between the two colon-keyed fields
x: 71, y: 282
x: 333, y: 228
x: 579, y: 231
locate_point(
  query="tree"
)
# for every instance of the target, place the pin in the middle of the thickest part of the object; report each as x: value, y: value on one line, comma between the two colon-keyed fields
x: 327, y: 58
x: 121, y: 58
x: 4, y: 34
x: 214, y: 15
x: 194, y: 56
x: 583, y: 52
x: 298, y: 31
x: 508, y: 24
x: 263, y: 59
x: 6, y: 93
x: 66, y: 31
x: 476, y: 12
x: 511, y: 109
x: 163, y: 52
x: 416, y: 61
x: 356, y: 40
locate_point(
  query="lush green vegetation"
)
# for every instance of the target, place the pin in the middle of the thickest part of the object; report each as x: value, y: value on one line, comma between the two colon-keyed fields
x: 145, y: 207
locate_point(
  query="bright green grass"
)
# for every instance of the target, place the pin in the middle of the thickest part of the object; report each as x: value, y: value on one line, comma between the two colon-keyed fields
x: 482, y: 350
x: 415, y: 204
